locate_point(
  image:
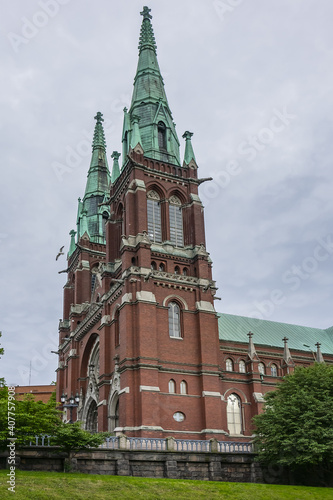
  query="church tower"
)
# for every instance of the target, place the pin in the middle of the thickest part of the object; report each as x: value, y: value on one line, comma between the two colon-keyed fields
x: 139, y: 339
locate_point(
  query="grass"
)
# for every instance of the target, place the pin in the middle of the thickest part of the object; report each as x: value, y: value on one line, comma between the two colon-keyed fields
x: 54, y: 485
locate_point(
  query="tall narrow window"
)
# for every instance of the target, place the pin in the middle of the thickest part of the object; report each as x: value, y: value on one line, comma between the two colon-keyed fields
x: 176, y: 222
x: 274, y: 370
x: 154, y: 216
x: 229, y: 366
x: 183, y: 387
x: 242, y: 366
x: 172, y: 386
x: 261, y: 368
x: 234, y: 414
x: 161, y: 128
x: 174, y: 320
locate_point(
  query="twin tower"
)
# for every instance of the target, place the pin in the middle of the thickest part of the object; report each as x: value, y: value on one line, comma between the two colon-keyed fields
x: 138, y: 343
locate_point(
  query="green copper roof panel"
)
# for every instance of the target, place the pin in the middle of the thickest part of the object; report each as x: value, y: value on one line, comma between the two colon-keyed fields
x: 270, y: 333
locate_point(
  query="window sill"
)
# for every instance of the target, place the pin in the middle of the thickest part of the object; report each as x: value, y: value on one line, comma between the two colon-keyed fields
x: 177, y: 338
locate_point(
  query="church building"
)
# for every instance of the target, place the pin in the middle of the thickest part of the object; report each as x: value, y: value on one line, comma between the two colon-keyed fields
x: 141, y: 345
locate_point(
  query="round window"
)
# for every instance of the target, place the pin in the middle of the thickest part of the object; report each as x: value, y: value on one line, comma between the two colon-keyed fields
x: 179, y: 416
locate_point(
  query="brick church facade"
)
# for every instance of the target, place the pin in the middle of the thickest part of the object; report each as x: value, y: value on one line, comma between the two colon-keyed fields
x: 140, y: 341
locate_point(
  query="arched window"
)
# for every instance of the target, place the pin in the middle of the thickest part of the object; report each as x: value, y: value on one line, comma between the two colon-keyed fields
x: 161, y: 267
x: 177, y: 270
x: 183, y: 387
x: 185, y: 271
x: 91, y: 420
x: 234, y: 414
x: 229, y: 366
x: 172, y: 386
x: 241, y: 366
x: 153, y: 266
x: 274, y: 370
x: 154, y: 216
x: 176, y: 222
x: 174, y: 320
x: 261, y: 368
x: 162, y: 143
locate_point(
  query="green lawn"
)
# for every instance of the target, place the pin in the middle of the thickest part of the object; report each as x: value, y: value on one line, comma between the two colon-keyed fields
x: 53, y: 485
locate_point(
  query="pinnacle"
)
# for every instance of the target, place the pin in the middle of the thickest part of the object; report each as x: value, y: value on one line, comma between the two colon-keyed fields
x: 99, y: 138
x: 147, y: 38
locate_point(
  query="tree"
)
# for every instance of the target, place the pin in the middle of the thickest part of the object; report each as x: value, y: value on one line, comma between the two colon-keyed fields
x: 295, y: 430
x: 71, y: 438
x: 32, y: 418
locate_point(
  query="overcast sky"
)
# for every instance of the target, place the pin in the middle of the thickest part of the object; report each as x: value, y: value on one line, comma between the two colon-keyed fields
x: 251, y: 79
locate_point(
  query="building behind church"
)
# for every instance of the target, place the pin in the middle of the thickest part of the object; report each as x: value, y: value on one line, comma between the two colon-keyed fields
x: 140, y: 342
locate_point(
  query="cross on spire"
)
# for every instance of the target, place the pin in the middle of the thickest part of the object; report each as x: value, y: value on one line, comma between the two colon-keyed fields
x: 146, y: 13
x: 99, y: 117
x: 285, y: 340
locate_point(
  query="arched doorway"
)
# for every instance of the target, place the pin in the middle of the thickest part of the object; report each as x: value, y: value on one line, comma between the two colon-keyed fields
x: 91, y: 421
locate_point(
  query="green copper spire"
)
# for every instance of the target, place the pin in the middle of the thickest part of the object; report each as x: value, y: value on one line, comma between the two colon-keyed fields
x: 189, y: 153
x: 158, y: 136
x: 89, y: 218
x: 115, y: 169
x: 98, y: 175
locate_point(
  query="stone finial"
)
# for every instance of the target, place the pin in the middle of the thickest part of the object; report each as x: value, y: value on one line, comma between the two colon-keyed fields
x: 252, y: 354
x: 319, y: 356
x: 286, y: 353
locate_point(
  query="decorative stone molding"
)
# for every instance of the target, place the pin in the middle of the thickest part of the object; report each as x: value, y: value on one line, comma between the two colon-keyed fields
x: 149, y: 388
x: 258, y: 397
x: 144, y: 296
x: 211, y: 393
x: 203, y: 305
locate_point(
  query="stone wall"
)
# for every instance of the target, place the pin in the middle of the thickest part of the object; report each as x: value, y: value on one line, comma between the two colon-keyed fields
x: 234, y: 467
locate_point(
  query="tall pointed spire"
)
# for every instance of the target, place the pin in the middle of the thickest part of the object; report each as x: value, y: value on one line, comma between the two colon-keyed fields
x: 98, y: 185
x: 158, y: 135
x: 98, y: 176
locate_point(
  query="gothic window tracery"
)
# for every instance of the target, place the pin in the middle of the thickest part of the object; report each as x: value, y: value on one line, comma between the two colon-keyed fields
x: 261, y: 368
x: 234, y: 414
x: 174, y: 320
x: 274, y: 370
x: 176, y: 221
x: 229, y: 366
x: 242, y: 366
x: 154, y: 217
